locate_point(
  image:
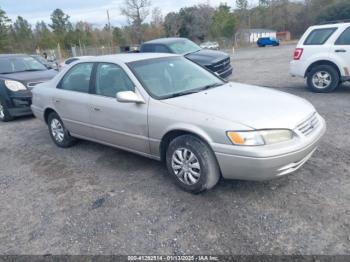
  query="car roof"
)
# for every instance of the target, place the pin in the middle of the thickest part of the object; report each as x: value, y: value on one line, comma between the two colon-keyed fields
x: 331, y: 25
x: 167, y: 40
x: 79, y: 57
x: 128, y: 57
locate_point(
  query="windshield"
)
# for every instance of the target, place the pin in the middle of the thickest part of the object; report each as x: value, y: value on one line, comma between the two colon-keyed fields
x: 173, y: 76
x: 16, y: 64
x: 184, y: 46
x: 40, y: 59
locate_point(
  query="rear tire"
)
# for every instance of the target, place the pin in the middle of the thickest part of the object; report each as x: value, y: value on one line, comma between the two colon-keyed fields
x: 192, y: 164
x: 323, y: 79
x: 59, y: 134
x: 5, y: 115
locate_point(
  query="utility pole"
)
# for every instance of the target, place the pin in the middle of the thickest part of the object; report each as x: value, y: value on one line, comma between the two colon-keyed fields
x: 109, y: 29
x: 109, y: 20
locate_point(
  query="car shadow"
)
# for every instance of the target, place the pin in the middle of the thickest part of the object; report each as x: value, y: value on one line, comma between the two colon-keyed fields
x: 112, y: 159
x: 19, y: 119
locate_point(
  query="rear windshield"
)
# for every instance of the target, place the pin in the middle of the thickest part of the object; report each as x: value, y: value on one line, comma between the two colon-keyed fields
x: 319, y: 36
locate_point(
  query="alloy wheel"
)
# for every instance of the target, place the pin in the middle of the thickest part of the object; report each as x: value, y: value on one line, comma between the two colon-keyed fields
x: 186, y: 166
x: 57, y: 130
x: 321, y: 79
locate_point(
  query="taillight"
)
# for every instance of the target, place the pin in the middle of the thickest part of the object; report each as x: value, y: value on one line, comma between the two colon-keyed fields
x: 298, y: 53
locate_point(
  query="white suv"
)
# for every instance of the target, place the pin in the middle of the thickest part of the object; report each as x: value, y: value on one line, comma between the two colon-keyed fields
x: 323, y: 57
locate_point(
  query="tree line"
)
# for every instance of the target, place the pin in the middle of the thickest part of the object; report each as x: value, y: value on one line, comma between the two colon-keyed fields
x: 144, y: 22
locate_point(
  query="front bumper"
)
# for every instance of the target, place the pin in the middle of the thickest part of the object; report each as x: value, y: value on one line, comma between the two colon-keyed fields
x: 19, y: 105
x: 265, y: 168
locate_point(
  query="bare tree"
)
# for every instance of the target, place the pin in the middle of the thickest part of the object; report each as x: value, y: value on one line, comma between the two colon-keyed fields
x: 136, y: 11
x: 243, y: 13
x: 157, y: 17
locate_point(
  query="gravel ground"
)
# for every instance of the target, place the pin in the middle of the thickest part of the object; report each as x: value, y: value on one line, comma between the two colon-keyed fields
x: 92, y: 199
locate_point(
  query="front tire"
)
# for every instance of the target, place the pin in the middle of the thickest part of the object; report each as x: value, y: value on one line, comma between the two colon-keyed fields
x: 192, y: 164
x: 58, y: 132
x: 323, y: 79
x: 5, y: 116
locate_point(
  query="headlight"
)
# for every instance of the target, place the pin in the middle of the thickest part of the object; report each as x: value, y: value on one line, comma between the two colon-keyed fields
x: 260, y: 138
x: 14, y: 85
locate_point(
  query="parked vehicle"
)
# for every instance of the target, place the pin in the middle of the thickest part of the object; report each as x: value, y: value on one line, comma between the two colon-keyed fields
x: 70, y: 60
x: 322, y: 56
x: 266, y: 41
x: 167, y: 108
x: 210, y: 45
x: 216, y: 61
x: 18, y: 75
x: 45, y: 62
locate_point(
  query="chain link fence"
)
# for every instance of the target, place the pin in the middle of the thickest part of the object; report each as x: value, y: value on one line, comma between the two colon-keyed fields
x: 59, y: 54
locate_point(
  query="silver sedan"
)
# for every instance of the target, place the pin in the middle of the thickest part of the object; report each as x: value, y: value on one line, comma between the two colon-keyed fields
x: 167, y: 108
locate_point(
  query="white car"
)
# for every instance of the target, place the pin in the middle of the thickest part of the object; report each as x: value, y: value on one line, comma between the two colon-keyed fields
x: 323, y: 57
x: 210, y: 45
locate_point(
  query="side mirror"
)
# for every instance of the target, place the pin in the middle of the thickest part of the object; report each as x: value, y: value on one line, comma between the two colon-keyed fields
x: 129, y: 97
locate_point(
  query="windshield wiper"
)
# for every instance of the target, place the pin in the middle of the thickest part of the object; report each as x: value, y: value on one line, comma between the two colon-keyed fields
x: 210, y: 86
x: 27, y: 70
x: 30, y: 70
x: 182, y: 93
x: 192, y: 52
x: 194, y: 91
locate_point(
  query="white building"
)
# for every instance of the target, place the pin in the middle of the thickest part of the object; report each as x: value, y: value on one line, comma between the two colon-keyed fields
x: 252, y: 35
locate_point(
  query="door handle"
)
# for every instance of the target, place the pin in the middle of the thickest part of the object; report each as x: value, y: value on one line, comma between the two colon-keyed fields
x: 340, y: 51
x: 56, y: 100
x: 97, y: 109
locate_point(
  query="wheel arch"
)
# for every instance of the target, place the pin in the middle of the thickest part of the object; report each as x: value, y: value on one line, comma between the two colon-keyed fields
x: 322, y: 62
x: 174, y: 133
x: 47, y: 112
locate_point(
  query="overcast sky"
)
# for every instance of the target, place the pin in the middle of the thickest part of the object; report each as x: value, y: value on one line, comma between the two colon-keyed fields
x: 92, y: 11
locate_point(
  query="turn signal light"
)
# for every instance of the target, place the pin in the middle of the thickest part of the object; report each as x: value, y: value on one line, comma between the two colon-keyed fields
x: 236, y: 138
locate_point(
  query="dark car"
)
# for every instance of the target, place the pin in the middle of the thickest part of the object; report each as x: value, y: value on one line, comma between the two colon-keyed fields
x: 216, y: 61
x: 265, y: 41
x: 18, y: 75
x: 49, y: 64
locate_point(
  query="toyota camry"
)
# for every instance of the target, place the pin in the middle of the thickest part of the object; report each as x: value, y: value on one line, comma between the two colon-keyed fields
x: 167, y: 108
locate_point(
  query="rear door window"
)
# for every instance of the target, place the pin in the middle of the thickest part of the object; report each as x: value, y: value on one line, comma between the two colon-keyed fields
x: 344, y: 38
x: 319, y: 36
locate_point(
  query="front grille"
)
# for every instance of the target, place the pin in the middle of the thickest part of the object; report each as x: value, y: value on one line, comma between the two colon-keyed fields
x: 221, y: 66
x: 310, y: 125
x: 22, y: 102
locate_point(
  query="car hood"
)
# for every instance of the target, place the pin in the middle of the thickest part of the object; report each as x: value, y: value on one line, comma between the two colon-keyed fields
x: 252, y: 106
x: 207, y: 57
x: 30, y: 77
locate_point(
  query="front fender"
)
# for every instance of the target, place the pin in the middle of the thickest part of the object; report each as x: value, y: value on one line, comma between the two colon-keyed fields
x: 164, y: 118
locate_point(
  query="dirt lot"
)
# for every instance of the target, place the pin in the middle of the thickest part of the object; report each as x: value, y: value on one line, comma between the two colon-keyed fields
x: 93, y: 199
